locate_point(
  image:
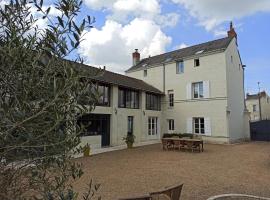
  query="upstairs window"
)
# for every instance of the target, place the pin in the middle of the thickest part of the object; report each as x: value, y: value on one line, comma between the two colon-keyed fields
x: 102, y: 92
x: 197, y: 90
x: 145, y: 72
x: 180, y: 67
x: 196, y: 62
x: 104, y: 95
x: 128, y: 98
x: 153, y: 102
x: 254, y: 108
x: 171, y: 98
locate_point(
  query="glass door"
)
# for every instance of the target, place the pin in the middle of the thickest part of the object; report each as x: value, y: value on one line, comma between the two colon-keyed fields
x: 153, y: 128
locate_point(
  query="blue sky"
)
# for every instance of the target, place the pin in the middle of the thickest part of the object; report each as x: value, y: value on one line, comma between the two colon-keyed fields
x: 158, y: 26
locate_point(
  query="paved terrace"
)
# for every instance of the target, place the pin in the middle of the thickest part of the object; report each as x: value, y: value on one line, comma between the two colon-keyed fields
x: 241, y: 168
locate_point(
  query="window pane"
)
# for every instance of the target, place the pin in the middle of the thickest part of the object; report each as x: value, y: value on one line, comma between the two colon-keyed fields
x: 152, y: 102
x: 196, y: 90
x: 201, y: 89
x: 106, y: 95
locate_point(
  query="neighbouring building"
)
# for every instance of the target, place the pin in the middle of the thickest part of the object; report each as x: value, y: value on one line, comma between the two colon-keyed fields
x: 126, y: 106
x: 203, y: 87
x: 259, y: 106
x: 198, y: 89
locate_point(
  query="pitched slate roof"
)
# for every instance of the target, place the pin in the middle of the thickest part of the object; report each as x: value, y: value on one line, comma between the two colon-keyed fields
x: 105, y: 76
x: 200, y: 49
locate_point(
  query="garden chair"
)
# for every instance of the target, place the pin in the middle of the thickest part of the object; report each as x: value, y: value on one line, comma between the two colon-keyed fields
x: 169, y: 193
x: 166, y: 144
x: 146, y: 197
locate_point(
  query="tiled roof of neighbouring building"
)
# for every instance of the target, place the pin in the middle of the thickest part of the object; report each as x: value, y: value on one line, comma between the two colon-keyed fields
x: 256, y: 96
x: 200, y: 49
x: 105, y: 76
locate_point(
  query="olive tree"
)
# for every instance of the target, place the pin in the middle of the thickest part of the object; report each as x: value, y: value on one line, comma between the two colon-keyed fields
x: 39, y: 93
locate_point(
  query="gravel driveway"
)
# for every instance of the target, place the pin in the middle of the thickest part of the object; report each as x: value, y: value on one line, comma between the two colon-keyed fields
x: 241, y: 168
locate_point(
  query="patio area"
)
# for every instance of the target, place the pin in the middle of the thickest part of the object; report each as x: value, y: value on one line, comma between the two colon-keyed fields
x: 240, y: 168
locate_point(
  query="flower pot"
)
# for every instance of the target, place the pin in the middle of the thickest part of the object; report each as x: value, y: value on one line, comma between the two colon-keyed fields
x: 86, y: 152
x: 129, y: 145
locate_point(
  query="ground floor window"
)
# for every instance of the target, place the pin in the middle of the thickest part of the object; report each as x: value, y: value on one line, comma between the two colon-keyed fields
x: 198, y: 125
x: 152, y: 125
x: 171, y: 124
x: 130, y: 125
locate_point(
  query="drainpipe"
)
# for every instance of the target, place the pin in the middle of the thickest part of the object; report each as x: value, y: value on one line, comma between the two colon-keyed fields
x: 164, y: 78
x: 244, y: 67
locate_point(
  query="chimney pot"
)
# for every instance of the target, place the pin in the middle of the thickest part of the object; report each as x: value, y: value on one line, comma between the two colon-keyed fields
x: 136, y: 57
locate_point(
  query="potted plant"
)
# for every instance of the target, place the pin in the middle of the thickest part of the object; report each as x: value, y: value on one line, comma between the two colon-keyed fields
x: 129, y: 140
x: 86, y: 150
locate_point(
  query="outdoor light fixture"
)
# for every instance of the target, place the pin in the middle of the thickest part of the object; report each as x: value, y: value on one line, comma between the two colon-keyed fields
x: 115, y: 111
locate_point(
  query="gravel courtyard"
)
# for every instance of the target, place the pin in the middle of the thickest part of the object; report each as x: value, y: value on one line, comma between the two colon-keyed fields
x: 241, y: 168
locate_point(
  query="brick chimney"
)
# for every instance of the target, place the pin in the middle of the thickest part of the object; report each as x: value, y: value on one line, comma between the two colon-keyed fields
x: 232, y: 33
x: 136, y: 57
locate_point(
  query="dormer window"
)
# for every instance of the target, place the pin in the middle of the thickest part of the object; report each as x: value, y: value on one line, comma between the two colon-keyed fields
x: 145, y: 72
x: 196, y: 62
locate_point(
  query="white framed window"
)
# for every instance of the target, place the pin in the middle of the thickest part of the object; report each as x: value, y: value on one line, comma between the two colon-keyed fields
x: 171, y: 98
x: 171, y: 124
x: 180, y: 67
x: 196, y: 62
x: 254, y: 108
x: 198, y: 125
x: 145, y: 72
x: 130, y: 125
x: 197, y: 90
x: 152, y: 126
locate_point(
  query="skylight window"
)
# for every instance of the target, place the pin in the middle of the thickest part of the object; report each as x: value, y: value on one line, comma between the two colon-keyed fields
x: 168, y: 59
x: 199, y: 52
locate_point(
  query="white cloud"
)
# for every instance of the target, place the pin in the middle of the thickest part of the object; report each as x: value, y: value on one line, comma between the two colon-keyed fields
x: 168, y: 20
x: 212, y: 13
x: 180, y: 46
x: 124, y: 11
x: 3, y: 3
x: 113, y: 44
x: 99, y: 4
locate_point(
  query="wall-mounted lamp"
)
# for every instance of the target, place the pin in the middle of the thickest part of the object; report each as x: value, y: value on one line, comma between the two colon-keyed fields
x: 115, y: 111
x: 143, y: 112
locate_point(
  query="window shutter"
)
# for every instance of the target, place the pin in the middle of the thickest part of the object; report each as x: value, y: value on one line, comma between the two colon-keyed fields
x: 207, y: 124
x: 206, y: 89
x: 189, y: 91
x: 189, y: 125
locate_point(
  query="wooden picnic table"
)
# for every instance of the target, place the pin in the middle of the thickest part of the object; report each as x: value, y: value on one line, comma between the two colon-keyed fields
x: 181, y: 143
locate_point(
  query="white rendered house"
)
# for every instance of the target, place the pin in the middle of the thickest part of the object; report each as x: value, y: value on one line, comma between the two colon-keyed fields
x: 203, y: 87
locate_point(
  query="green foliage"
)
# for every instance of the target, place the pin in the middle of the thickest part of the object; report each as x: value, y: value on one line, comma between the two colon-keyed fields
x: 129, y: 139
x: 180, y: 135
x: 39, y: 90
